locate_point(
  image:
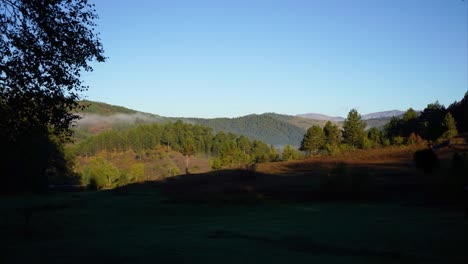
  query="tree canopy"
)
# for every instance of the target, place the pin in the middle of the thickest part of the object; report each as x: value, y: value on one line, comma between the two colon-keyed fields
x: 353, y: 129
x: 45, y: 46
x: 313, y: 140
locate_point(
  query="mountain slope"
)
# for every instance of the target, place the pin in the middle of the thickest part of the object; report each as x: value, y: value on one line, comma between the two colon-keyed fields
x: 261, y: 127
x: 383, y: 114
x: 271, y: 128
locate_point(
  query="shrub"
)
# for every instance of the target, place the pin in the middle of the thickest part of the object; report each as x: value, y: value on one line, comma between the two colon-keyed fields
x: 398, y: 140
x: 216, y: 164
x: 414, y: 138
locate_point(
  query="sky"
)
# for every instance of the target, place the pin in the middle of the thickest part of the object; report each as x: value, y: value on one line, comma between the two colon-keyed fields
x: 232, y: 58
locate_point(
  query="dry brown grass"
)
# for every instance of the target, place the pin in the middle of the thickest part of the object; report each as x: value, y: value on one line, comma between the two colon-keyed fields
x: 389, y: 156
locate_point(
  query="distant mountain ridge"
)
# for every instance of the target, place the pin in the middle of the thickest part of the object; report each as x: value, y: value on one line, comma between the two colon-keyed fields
x: 323, y: 117
x: 383, y: 114
x: 376, y: 115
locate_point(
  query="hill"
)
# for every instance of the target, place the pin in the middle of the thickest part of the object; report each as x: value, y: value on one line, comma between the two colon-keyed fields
x: 383, y: 114
x: 265, y: 127
x: 272, y: 128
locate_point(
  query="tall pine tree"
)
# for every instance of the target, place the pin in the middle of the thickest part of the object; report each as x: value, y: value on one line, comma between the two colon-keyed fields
x: 353, y: 129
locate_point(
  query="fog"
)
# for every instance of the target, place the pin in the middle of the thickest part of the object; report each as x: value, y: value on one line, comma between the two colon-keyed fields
x: 93, y: 119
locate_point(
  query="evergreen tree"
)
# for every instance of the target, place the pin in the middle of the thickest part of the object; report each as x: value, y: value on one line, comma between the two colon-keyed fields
x: 431, y: 121
x: 375, y: 136
x: 187, y: 144
x: 410, y: 114
x: 332, y: 134
x: 459, y: 111
x: 313, y: 140
x: 353, y: 129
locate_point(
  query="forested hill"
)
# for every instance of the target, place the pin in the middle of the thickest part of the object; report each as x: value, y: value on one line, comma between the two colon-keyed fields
x: 271, y: 128
x: 99, y: 108
x: 260, y: 127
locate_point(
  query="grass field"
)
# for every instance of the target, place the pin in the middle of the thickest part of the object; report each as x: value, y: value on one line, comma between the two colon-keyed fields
x: 228, y: 218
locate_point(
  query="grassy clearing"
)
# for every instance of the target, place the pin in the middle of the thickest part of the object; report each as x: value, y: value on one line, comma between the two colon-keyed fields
x: 140, y: 227
x: 298, y: 212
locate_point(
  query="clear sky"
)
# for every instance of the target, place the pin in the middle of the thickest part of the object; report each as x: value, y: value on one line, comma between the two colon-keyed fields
x: 203, y: 58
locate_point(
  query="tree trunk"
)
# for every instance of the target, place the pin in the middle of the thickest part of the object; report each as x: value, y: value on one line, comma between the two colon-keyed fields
x: 187, y: 157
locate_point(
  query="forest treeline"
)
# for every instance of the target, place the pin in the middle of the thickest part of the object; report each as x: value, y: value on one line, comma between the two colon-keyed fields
x: 270, y: 128
x: 434, y: 124
x: 224, y: 149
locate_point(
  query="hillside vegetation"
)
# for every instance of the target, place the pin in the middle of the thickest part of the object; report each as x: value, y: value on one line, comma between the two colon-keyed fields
x: 272, y: 128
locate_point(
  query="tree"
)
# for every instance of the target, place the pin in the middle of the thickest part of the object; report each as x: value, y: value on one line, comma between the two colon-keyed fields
x: 431, y: 121
x: 409, y: 123
x: 137, y: 172
x: 45, y: 46
x: 459, y: 111
x: 332, y: 134
x: 187, y: 145
x: 244, y: 144
x: 410, y: 114
x: 375, y: 136
x: 290, y: 154
x: 100, y: 173
x: 353, y: 129
x: 450, y: 126
x: 313, y: 140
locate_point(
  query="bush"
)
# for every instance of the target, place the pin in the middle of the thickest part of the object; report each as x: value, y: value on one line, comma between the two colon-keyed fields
x: 414, y: 139
x: 425, y: 160
x: 100, y: 173
x: 398, y: 140
x: 216, y: 164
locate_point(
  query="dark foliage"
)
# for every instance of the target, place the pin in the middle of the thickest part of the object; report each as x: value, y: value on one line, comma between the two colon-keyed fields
x: 425, y: 160
x: 459, y: 111
x: 44, y: 47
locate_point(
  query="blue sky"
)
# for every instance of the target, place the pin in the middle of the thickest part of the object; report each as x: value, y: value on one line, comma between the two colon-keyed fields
x: 231, y: 58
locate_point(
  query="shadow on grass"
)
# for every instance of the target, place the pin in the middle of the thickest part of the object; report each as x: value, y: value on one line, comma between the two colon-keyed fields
x: 238, y: 186
x: 304, y: 181
x: 305, y: 244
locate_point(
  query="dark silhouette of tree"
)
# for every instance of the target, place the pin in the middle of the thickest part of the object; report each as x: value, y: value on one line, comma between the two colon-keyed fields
x: 44, y: 48
x: 459, y: 111
x: 431, y: 121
